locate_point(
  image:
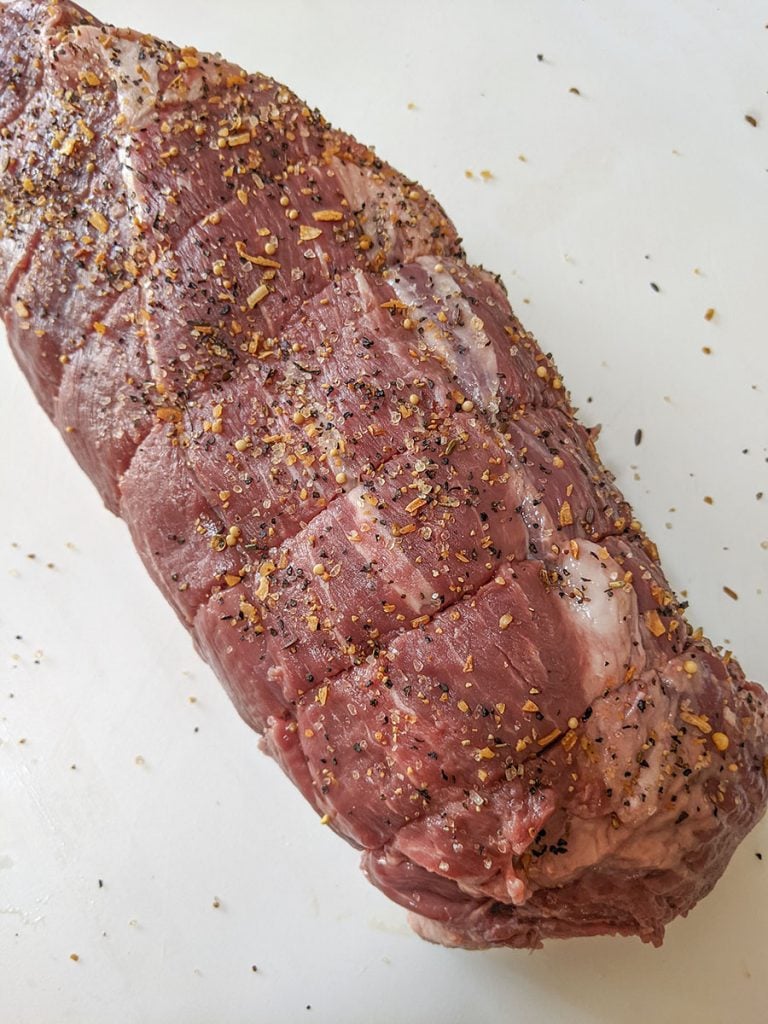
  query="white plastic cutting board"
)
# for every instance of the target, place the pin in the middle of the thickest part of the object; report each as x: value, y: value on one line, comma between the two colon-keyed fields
x: 110, y: 771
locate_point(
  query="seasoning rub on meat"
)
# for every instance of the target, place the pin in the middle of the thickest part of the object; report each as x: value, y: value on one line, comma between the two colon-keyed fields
x: 361, y: 485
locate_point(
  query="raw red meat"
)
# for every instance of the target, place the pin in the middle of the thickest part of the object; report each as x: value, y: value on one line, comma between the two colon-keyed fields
x: 361, y: 484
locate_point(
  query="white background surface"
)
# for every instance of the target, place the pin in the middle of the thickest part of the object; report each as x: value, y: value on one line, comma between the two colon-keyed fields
x: 648, y: 174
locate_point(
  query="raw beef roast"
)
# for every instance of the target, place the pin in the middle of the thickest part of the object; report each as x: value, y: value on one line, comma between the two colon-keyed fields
x: 361, y: 485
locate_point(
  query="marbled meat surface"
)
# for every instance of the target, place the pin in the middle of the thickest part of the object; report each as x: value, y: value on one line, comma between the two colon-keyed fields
x: 360, y: 483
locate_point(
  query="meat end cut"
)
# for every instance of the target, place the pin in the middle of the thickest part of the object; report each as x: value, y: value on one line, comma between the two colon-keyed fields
x: 361, y: 485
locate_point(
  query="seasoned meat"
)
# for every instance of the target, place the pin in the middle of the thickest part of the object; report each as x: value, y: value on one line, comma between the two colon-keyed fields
x: 360, y: 483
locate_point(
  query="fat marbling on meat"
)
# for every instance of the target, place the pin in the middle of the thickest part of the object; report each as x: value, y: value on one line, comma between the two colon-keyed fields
x: 360, y: 483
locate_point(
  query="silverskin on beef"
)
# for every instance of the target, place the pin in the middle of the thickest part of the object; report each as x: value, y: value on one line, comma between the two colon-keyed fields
x: 360, y: 483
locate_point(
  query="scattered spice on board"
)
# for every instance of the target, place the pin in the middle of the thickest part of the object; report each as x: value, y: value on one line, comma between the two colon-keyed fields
x: 638, y: 436
x: 709, y: 314
x: 708, y: 500
x: 731, y: 593
x: 751, y: 120
x: 655, y: 286
x: 574, y: 90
